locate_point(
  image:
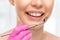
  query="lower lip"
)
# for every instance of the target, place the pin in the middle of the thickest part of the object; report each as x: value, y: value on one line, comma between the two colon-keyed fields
x: 34, y: 18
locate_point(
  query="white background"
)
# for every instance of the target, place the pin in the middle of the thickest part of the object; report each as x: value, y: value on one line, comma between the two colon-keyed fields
x: 8, y: 18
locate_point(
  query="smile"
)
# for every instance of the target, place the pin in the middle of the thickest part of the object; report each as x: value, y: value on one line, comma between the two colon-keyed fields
x: 35, y: 15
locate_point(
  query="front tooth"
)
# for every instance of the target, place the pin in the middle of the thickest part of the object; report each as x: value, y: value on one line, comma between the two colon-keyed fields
x: 35, y: 14
x: 38, y: 14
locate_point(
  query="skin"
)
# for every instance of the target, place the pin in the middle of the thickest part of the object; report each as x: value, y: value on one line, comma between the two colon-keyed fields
x: 25, y: 5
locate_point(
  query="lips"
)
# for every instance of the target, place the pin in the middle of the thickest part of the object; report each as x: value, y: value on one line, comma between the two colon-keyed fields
x: 35, y: 15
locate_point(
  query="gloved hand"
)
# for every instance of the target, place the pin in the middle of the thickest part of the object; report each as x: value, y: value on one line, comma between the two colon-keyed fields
x: 21, y: 32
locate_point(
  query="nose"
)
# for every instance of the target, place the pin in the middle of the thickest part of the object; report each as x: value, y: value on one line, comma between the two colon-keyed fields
x: 37, y: 3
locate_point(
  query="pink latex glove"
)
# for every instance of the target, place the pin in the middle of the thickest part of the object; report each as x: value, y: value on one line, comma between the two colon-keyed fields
x: 20, y: 33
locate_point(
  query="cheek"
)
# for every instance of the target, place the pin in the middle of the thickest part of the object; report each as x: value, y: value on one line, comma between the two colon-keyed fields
x: 48, y: 4
x: 22, y: 4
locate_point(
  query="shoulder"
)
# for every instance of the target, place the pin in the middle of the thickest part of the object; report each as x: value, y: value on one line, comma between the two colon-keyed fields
x: 49, y: 36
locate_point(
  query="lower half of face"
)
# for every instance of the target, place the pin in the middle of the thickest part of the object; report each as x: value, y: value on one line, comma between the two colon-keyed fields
x: 31, y: 12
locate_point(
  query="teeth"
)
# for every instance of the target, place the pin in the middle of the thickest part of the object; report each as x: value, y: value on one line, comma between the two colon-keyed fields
x: 35, y: 14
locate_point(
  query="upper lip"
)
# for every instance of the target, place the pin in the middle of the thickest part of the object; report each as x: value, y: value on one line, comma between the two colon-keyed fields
x: 36, y: 11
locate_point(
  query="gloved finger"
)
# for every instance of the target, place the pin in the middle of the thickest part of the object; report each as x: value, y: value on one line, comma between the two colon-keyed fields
x: 21, y: 35
x: 27, y: 37
x: 30, y: 39
x: 17, y: 30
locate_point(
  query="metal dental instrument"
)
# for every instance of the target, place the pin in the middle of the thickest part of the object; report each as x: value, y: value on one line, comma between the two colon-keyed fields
x: 45, y: 19
x: 35, y: 25
x: 29, y: 28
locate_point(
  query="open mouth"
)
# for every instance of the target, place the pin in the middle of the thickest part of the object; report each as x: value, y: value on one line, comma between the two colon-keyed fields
x: 35, y: 15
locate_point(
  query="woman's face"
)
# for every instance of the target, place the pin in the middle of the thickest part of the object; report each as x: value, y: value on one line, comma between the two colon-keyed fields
x: 33, y: 11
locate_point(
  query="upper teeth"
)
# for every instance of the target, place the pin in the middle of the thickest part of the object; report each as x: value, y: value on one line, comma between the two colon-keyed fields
x: 35, y: 14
